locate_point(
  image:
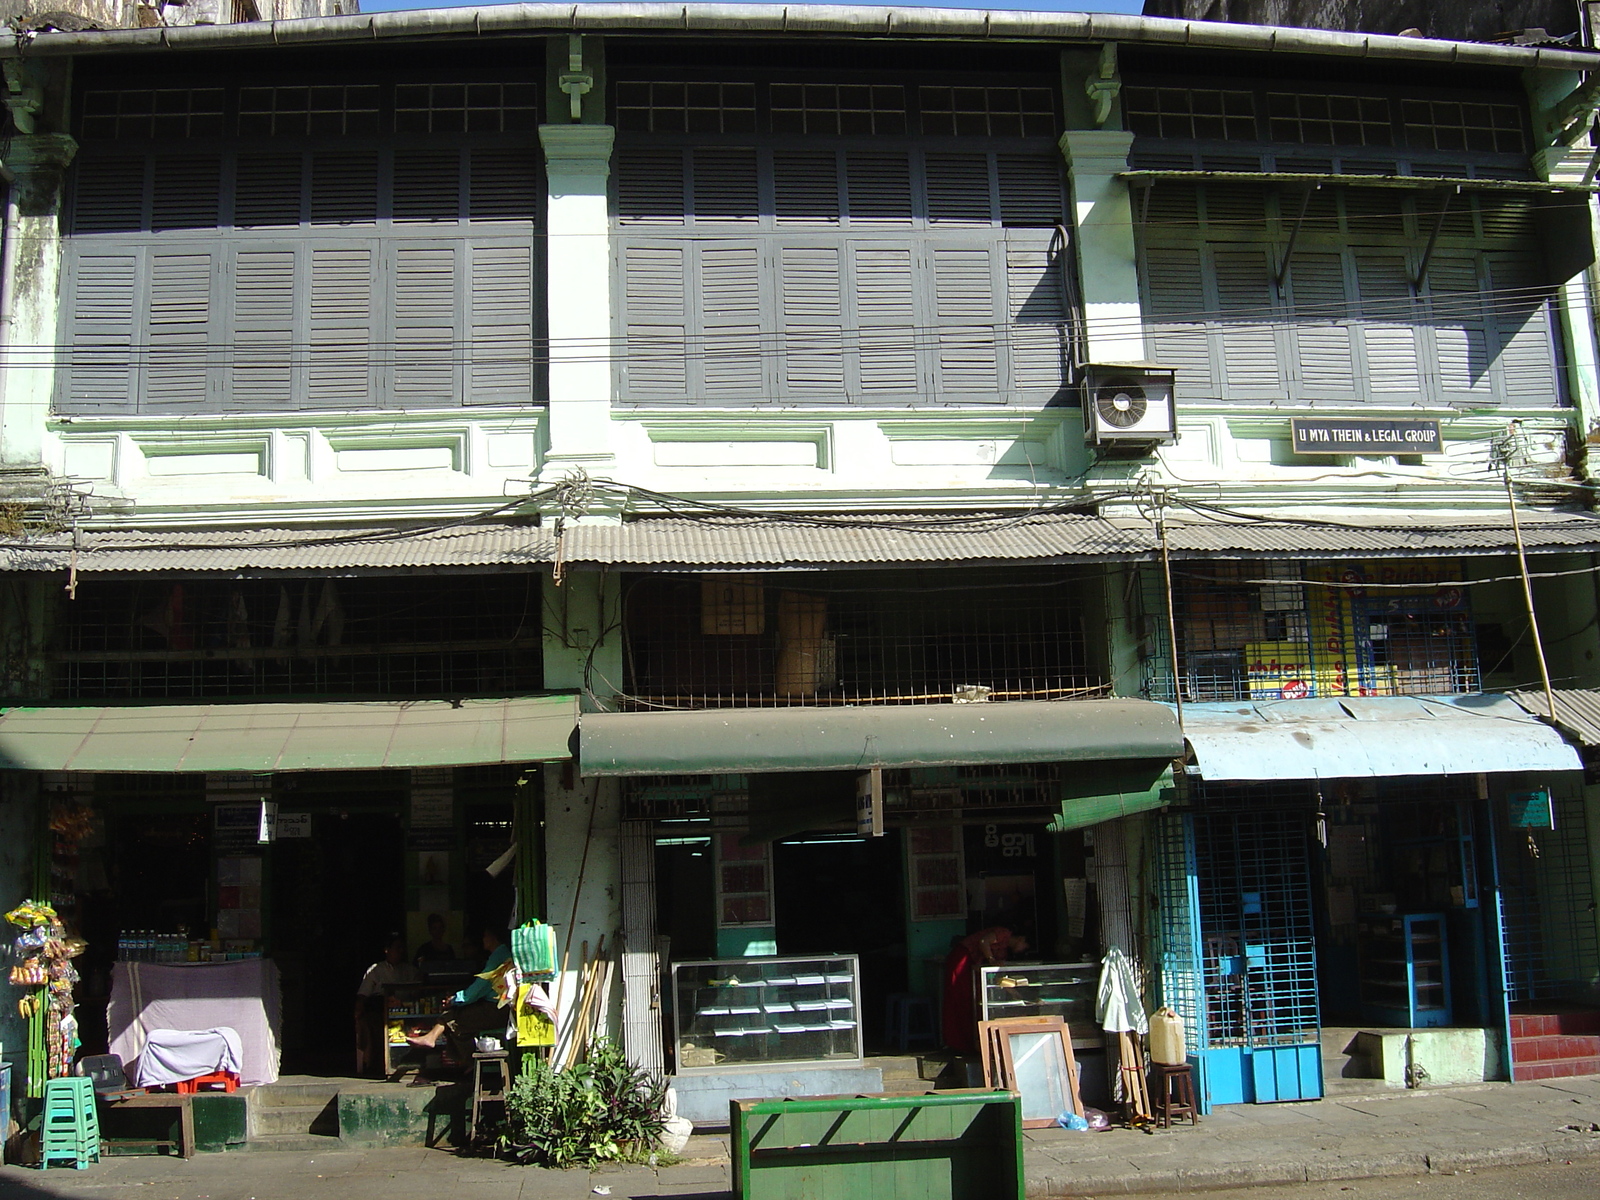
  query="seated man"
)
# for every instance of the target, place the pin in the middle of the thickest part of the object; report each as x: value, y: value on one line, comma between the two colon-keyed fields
x: 473, y: 1009
x: 381, y: 976
x: 435, y: 949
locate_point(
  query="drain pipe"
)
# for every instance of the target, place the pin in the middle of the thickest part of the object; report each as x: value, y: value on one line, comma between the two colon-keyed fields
x: 8, y: 285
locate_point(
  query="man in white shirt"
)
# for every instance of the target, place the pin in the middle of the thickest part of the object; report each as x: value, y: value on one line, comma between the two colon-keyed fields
x: 392, y: 969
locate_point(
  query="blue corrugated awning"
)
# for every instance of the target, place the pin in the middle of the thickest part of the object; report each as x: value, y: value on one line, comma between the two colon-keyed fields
x: 1371, y: 737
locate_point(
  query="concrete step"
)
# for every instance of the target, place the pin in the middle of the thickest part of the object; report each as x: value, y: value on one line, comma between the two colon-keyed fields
x: 295, y: 1119
x: 1554, y: 1048
x: 300, y: 1143
x: 1575, y: 1021
x: 275, y: 1095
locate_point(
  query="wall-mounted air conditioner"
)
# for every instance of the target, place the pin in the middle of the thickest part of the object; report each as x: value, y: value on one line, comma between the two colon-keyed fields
x: 1129, y: 406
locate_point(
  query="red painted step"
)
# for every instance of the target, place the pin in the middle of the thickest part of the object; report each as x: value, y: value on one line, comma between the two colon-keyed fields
x: 1565, y: 1069
x: 1575, y: 1021
x: 1554, y: 1048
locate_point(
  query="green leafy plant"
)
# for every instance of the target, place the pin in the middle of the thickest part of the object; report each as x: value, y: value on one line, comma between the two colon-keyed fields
x: 601, y: 1110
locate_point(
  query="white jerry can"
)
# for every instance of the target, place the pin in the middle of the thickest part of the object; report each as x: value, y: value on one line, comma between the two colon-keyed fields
x: 1166, y: 1037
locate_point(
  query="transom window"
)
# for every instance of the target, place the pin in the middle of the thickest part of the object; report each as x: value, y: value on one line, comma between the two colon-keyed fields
x: 1190, y: 113
x: 1447, y: 125
x: 309, y: 111
x: 153, y: 113
x: 838, y: 109
x: 1330, y: 120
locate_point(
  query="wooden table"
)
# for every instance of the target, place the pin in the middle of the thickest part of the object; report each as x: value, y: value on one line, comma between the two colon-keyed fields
x: 185, y: 1142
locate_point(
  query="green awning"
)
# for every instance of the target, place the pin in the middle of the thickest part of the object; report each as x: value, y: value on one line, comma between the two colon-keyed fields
x: 331, y: 736
x: 750, y: 740
x: 1103, y: 792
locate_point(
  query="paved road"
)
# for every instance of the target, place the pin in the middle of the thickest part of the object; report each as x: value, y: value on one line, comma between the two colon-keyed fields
x: 1555, y: 1181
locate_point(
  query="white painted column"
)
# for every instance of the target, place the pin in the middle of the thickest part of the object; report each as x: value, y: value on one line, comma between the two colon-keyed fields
x: 1568, y: 164
x: 1107, y: 261
x: 578, y: 298
x: 33, y: 165
x: 583, y: 887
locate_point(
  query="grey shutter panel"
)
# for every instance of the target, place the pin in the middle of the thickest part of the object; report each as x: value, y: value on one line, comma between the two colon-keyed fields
x: 426, y: 284
x: 1038, y: 347
x: 1249, y: 345
x: 504, y: 185
x: 1031, y: 194
x: 344, y: 189
x: 268, y: 190
x: 1389, y: 327
x: 1456, y: 321
x: 501, y: 345
x: 427, y: 186
x: 811, y: 312
x: 650, y: 187
x: 965, y: 313
x: 1520, y: 303
x: 727, y: 184
x: 889, y: 365
x: 101, y: 373
x: 805, y: 187
x: 1178, y: 335
x: 262, y: 336
x: 181, y: 334
x: 732, y: 363
x: 1323, y: 349
x: 959, y: 189
x: 186, y: 193
x: 878, y: 188
x: 342, y: 294
x: 108, y: 195
x: 655, y: 315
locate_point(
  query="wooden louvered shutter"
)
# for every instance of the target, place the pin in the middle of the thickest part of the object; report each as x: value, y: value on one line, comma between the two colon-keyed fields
x: 732, y: 363
x: 889, y: 365
x: 811, y: 311
x: 263, y: 330
x: 503, y: 185
x: 650, y: 187
x: 726, y: 185
x: 1520, y: 302
x: 1179, y: 336
x: 1038, y: 344
x: 268, y: 190
x: 501, y: 346
x: 342, y: 291
x: 1388, y: 328
x: 1323, y: 355
x: 1456, y: 323
x: 805, y: 187
x: 878, y: 188
x: 108, y: 195
x: 966, y: 318
x: 426, y: 288
x: 186, y: 193
x: 1031, y: 191
x: 101, y: 374
x: 181, y: 330
x: 656, y: 318
x: 1250, y: 364
x: 344, y: 189
x: 427, y: 186
x: 958, y: 189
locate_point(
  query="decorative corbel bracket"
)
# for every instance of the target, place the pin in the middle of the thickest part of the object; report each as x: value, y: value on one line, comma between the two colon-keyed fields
x: 24, y: 94
x: 1571, y: 119
x: 1103, y: 87
x: 576, y: 82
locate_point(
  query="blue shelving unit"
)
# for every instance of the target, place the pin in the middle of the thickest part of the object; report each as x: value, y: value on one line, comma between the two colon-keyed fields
x: 1405, y: 971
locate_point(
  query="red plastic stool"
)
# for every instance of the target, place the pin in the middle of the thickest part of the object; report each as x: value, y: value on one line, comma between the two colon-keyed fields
x: 227, y: 1080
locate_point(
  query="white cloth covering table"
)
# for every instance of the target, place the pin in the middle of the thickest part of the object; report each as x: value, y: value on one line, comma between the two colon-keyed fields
x: 242, y: 996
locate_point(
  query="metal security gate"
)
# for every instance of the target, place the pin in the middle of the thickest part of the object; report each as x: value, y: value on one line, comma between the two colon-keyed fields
x: 1546, y: 904
x: 1238, y: 946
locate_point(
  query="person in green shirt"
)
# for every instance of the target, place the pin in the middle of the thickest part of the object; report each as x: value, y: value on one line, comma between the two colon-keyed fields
x: 474, y: 1009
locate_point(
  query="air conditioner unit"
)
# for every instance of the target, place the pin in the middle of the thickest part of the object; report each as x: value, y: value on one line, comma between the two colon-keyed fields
x: 1129, y: 406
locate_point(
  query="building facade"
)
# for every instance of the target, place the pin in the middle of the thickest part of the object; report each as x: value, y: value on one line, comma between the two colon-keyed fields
x: 1131, y: 455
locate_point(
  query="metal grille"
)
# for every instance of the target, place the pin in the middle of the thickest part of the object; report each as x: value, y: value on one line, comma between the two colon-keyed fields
x: 1258, y: 952
x: 406, y: 636
x: 909, y: 638
x: 1177, y: 924
x: 1547, y: 905
x: 1268, y: 631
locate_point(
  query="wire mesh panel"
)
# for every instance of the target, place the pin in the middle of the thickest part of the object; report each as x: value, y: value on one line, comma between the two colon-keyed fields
x: 1258, y: 952
x: 1177, y: 924
x: 1275, y: 630
x: 1547, y: 904
x: 902, y: 638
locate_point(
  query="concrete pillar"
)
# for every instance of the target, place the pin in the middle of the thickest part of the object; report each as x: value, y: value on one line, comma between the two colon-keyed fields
x: 33, y: 165
x: 583, y: 636
x: 583, y: 883
x: 1107, y: 261
x: 578, y: 298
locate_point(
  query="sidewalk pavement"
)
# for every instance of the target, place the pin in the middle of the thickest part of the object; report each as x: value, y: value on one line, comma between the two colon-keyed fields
x: 1438, y: 1131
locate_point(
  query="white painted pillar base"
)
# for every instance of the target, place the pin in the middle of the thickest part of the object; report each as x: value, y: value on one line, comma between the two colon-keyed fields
x: 1107, y: 258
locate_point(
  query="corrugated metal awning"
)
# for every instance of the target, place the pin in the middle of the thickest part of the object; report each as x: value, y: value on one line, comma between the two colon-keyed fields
x: 1303, y: 178
x: 746, y: 740
x: 198, y: 550
x: 1577, y: 711
x: 331, y: 736
x: 1371, y: 737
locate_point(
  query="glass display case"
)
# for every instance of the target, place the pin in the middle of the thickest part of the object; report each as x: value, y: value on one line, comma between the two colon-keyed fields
x: 1065, y: 990
x: 750, y: 1012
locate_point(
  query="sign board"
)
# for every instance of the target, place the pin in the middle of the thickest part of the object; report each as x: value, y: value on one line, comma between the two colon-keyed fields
x: 869, y: 803
x: 1364, y: 435
x: 294, y: 826
x: 267, y: 823
x: 1530, y: 810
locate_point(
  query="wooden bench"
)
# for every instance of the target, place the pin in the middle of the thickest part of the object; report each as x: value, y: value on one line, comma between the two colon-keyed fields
x: 183, y: 1103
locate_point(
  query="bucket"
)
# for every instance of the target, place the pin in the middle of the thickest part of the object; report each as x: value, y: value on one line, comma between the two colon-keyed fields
x: 1166, y: 1037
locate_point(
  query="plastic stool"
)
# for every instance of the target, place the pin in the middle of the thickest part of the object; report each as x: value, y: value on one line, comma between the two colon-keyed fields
x: 481, y: 1095
x: 226, y: 1080
x: 910, y: 1019
x: 69, y: 1126
x: 1173, y: 1095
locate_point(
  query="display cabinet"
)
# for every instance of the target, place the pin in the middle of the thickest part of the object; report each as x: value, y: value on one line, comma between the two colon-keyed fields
x: 1405, y: 971
x: 1065, y: 990
x: 730, y: 1013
